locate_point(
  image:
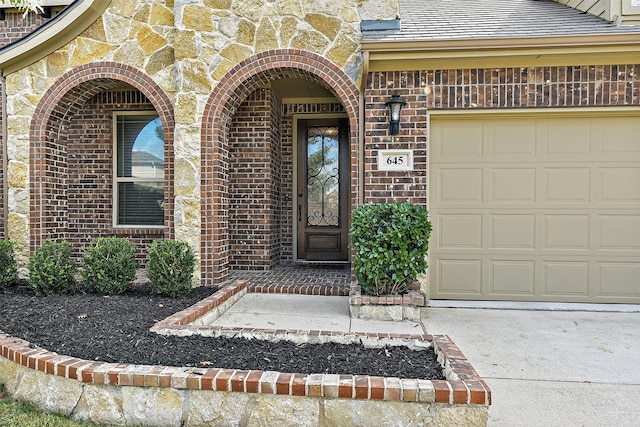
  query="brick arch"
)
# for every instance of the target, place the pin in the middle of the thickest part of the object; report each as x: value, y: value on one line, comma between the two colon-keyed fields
x: 228, y: 95
x: 48, y: 140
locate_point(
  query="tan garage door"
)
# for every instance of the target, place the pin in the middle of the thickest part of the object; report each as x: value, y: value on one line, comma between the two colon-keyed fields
x: 535, y: 207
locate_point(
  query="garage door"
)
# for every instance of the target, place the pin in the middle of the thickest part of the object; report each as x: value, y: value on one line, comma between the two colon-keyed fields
x: 535, y: 208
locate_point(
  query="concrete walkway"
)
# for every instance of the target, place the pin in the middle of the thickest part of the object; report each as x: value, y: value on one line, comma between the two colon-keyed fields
x: 551, y: 368
x: 546, y: 367
x: 288, y: 311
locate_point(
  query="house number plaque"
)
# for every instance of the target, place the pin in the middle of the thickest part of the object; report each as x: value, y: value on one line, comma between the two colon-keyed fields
x: 395, y: 160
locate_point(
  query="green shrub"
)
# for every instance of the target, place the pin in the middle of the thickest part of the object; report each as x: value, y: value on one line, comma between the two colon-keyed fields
x: 170, y: 267
x: 109, y: 265
x: 8, y: 265
x: 390, y: 244
x: 51, y: 269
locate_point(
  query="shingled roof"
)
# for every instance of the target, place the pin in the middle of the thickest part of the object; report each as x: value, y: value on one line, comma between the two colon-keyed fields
x: 471, y: 19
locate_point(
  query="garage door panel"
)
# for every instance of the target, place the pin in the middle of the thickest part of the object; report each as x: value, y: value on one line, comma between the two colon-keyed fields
x: 567, y: 139
x: 464, y: 143
x: 566, y: 232
x: 460, y: 277
x: 515, y: 139
x: 619, y: 279
x: 620, y: 136
x: 567, y: 185
x: 513, y: 231
x: 565, y: 278
x: 458, y: 185
x: 457, y: 231
x: 619, y: 232
x: 503, y: 273
x: 537, y: 208
x: 620, y: 184
x: 513, y: 185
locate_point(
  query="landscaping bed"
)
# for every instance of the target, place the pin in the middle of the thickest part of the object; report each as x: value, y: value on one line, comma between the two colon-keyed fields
x: 93, y: 358
x: 115, y: 329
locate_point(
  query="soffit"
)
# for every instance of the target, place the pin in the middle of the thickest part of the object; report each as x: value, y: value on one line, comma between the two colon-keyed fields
x: 299, y: 90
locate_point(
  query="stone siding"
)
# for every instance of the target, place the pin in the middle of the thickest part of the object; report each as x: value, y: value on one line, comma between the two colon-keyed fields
x: 14, y: 26
x: 186, y: 48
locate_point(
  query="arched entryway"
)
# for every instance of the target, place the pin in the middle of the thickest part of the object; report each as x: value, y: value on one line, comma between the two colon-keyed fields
x: 72, y: 151
x: 248, y: 165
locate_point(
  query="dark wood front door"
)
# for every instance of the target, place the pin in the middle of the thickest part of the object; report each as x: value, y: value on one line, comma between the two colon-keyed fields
x: 323, y: 190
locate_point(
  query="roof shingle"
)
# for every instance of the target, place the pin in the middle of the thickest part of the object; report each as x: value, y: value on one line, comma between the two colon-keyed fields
x: 469, y: 19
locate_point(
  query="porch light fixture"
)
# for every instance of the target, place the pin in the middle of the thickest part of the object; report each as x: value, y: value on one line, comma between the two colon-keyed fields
x: 395, y: 105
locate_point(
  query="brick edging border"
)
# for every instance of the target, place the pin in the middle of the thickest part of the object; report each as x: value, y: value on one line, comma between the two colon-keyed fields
x: 413, y: 298
x: 464, y: 385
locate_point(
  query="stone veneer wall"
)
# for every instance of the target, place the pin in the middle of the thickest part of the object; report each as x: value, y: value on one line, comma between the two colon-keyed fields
x: 186, y: 49
x: 13, y: 27
x: 496, y: 88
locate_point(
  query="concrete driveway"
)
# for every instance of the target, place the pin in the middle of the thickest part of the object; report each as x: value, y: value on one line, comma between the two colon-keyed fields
x: 551, y: 368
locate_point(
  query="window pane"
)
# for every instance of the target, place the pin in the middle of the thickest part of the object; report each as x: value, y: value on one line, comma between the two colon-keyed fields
x: 140, y: 146
x: 140, y: 203
x: 323, y: 177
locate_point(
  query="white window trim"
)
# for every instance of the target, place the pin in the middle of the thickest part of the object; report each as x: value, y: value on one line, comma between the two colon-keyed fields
x: 117, y: 180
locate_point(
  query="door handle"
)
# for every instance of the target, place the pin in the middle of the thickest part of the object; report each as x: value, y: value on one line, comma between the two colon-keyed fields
x: 299, y: 212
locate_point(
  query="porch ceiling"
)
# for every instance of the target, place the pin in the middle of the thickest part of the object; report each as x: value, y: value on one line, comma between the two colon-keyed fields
x: 299, y: 88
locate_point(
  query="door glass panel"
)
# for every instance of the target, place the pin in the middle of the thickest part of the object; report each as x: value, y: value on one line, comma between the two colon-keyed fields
x: 323, y: 176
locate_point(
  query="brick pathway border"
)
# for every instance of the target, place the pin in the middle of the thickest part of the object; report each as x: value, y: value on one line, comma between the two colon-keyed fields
x: 464, y: 385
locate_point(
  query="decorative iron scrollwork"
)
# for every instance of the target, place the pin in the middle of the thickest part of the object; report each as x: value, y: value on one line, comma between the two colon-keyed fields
x: 323, y: 177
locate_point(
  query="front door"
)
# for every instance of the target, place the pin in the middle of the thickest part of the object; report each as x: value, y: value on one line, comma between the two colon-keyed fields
x: 322, y: 207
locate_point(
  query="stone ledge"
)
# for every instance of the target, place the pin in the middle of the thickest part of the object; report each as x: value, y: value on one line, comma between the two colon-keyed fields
x: 463, y: 386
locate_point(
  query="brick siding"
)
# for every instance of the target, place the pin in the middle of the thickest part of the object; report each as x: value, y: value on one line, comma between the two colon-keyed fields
x: 261, y: 180
x: 255, y: 183
x: 71, y: 134
x: 16, y: 25
x: 235, y: 88
x: 496, y: 88
x: 89, y: 182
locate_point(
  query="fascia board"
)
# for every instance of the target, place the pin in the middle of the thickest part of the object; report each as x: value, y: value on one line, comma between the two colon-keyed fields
x: 539, y: 51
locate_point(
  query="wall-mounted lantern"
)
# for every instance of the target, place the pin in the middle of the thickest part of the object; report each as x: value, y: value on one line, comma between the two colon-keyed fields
x: 395, y: 105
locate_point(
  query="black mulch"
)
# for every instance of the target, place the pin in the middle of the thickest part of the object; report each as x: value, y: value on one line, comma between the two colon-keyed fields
x: 116, y: 329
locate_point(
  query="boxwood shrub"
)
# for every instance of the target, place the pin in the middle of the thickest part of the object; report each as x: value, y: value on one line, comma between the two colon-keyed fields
x: 8, y: 265
x: 109, y: 265
x: 52, y: 270
x: 390, y: 243
x: 170, y: 267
